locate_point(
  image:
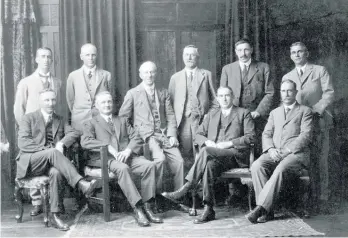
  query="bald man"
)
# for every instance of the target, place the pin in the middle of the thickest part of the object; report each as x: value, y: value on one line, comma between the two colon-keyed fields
x: 152, y: 115
x: 82, y: 86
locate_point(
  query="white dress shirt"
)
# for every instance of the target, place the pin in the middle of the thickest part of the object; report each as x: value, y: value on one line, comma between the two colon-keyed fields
x: 189, y: 71
x: 303, y: 68
x: 47, y: 76
x: 87, y: 70
x: 226, y: 112
x: 247, y: 64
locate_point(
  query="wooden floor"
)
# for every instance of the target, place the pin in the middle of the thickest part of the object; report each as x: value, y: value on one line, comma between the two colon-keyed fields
x: 334, y: 225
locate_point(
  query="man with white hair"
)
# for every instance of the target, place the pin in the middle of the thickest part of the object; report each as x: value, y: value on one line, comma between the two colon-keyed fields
x: 82, y: 86
x: 152, y: 115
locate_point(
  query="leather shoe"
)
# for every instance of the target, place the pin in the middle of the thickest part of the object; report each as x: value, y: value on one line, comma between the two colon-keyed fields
x: 56, y: 222
x: 207, y: 215
x: 150, y: 215
x: 174, y: 196
x: 37, y: 209
x: 255, y: 213
x: 140, y: 217
x: 87, y: 188
x: 266, y: 217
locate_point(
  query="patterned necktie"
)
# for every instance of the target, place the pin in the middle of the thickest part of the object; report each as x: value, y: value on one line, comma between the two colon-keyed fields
x: 111, y: 124
x: 49, y: 120
x: 244, y: 71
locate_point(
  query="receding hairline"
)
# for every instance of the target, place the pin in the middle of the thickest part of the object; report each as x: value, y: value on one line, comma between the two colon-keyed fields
x: 43, y: 49
x: 299, y: 43
x: 88, y: 45
x: 104, y: 93
x: 289, y: 81
x: 224, y: 87
x: 191, y: 47
x: 142, y: 66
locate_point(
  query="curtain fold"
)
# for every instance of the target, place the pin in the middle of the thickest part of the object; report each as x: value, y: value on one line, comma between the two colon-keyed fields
x: 108, y: 24
x: 19, y: 41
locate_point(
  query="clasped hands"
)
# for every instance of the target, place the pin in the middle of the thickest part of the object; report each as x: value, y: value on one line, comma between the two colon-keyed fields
x: 219, y: 145
x: 278, y: 155
x: 121, y: 156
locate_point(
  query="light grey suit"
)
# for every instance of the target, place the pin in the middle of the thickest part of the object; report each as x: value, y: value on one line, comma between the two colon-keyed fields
x: 292, y: 132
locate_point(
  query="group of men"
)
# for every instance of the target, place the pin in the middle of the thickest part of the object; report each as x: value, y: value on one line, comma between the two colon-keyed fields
x: 174, y: 123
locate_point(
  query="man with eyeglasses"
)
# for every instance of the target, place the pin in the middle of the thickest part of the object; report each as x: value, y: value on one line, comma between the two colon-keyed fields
x: 315, y: 90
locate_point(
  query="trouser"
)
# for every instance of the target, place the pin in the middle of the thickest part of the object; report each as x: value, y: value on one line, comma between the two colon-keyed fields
x: 139, y: 166
x: 172, y: 157
x: 209, y: 165
x: 269, y: 177
x: 35, y: 196
x: 57, y: 166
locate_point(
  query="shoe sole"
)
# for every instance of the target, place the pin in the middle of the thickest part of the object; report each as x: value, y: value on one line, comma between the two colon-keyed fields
x: 93, y: 186
x: 171, y: 199
x: 251, y: 221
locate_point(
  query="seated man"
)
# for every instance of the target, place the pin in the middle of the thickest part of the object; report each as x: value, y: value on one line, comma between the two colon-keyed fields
x: 224, y: 138
x: 152, y: 114
x: 124, y: 146
x: 285, y: 142
x: 41, y: 138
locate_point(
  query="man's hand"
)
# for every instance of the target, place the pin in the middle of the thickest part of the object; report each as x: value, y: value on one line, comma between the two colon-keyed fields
x: 255, y: 114
x: 224, y: 145
x: 4, y: 147
x: 123, y: 156
x: 60, y: 147
x: 275, y: 154
x: 173, y: 141
x: 210, y: 143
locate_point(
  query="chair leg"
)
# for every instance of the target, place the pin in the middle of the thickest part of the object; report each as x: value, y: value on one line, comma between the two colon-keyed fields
x: 250, y: 195
x: 193, y: 210
x: 44, y: 197
x: 106, y: 202
x: 19, y: 201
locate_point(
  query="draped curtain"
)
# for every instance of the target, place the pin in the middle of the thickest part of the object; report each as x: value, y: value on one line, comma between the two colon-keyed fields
x: 19, y: 41
x: 108, y: 24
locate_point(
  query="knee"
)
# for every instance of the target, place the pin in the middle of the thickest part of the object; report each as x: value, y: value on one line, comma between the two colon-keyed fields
x: 280, y: 169
x: 159, y: 159
x: 255, y: 166
x: 54, y: 173
x: 123, y: 168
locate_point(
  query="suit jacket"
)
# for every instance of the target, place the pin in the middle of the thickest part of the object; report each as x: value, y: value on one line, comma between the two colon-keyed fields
x: 240, y: 130
x: 32, y: 137
x: 204, y: 92
x: 27, y: 95
x: 260, y: 85
x: 293, y: 133
x: 315, y: 90
x: 136, y: 107
x: 97, y: 133
x: 80, y: 101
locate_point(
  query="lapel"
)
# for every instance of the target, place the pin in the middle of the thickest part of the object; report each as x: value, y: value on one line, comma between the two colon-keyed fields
x: 101, y: 121
x: 236, y: 73
x: 143, y: 96
x: 161, y: 101
x: 231, y: 117
x: 214, y: 126
x: 117, y: 128
x: 41, y: 121
x: 252, y: 70
x: 182, y: 84
x: 293, y: 75
x: 197, y: 81
x: 99, y: 75
x: 55, y: 124
x: 291, y: 114
x: 307, y: 72
x: 82, y: 76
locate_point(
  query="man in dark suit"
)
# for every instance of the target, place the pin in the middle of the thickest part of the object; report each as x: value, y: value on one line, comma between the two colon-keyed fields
x: 315, y: 90
x: 124, y: 147
x: 152, y: 115
x: 224, y: 138
x: 285, y: 141
x: 41, y: 137
x: 192, y: 93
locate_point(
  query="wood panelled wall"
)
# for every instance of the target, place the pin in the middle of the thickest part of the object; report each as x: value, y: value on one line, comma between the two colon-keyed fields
x: 166, y: 27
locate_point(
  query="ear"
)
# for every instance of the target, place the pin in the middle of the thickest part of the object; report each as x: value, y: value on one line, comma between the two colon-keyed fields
x: 81, y: 56
x: 251, y: 50
x: 36, y: 60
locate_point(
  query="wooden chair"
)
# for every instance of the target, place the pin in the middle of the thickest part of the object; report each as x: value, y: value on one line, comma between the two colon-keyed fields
x: 38, y: 182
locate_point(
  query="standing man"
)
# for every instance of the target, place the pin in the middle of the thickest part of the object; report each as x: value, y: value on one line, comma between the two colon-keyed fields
x: 315, y: 90
x: 252, y: 86
x: 286, y: 152
x: 42, y: 136
x: 152, y: 115
x: 27, y: 100
x: 82, y: 86
x: 192, y: 93
x: 224, y: 138
x: 124, y: 146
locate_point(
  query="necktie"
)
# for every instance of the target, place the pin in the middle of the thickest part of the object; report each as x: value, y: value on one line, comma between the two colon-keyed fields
x: 244, y: 71
x: 90, y: 74
x: 287, y: 110
x: 301, y: 72
x: 111, y: 124
x: 46, y: 83
x: 190, y: 76
x: 49, y: 119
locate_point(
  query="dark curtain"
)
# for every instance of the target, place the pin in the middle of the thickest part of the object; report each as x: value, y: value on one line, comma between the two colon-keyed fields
x: 108, y: 24
x: 19, y: 41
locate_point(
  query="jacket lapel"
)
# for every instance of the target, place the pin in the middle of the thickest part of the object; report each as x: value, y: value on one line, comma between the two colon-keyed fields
x: 214, y: 126
x: 291, y: 114
x: 41, y: 122
x: 252, y: 70
x: 231, y: 117
x: 182, y: 84
x: 82, y: 76
x: 143, y: 96
x: 117, y: 128
x: 235, y: 72
x: 99, y: 75
x: 101, y: 121
x: 307, y: 72
x: 296, y: 78
x: 200, y: 74
x: 55, y: 124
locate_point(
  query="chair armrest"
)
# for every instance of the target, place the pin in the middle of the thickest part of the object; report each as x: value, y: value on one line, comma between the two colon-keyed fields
x: 104, y: 165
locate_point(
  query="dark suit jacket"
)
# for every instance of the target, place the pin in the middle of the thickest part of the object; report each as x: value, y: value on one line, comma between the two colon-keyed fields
x: 240, y: 130
x: 97, y: 133
x: 293, y: 133
x: 137, y: 109
x: 32, y: 137
x: 315, y: 90
x: 260, y: 85
x: 204, y: 92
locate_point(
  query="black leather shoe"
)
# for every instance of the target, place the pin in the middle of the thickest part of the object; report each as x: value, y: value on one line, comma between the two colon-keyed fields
x: 207, y: 215
x: 56, y: 222
x: 266, y: 217
x: 150, y: 215
x: 174, y: 196
x: 87, y: 188
x: 255, y: 213
x: 140, y: 217
x: 37, y: 209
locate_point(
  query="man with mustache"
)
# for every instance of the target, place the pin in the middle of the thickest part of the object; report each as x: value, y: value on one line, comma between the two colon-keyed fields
x: 252, y: 89
x: 315, y: 90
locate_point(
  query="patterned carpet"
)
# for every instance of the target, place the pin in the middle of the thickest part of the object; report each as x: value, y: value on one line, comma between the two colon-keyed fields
x: 229, y: 223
